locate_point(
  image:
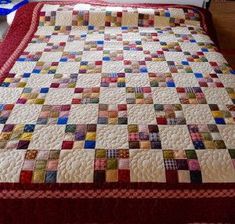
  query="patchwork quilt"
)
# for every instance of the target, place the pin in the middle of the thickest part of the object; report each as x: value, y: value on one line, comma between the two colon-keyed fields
x: 104, y: 94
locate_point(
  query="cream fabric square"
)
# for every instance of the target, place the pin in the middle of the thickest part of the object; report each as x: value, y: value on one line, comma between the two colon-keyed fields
x: 24, y: 114
x: 58, y: 38
x: 217, y: 96
x: 216, y: 166
x: 10, y: 165
x: 174, y: 56
x: 190, y: 47
x: 201, y: 67
x: 228, y: 134
x: 131, y: 36
x: 197, y: 114
x: 130, y: 19
x: 175, y: 137
x: 9, y: 95
x: 228, y: 80
x: 215, y: 57
x: 83, y: 114
x: 45, y: 30
x: 63, y: 18
x: 39, y: 81
x: 51, y: 56
x: 74, y: 46
x: 157, y: 66
x: 134, y: 55
x: 181, y: 30
x: 94, y: 37
x: 88, y: 80
x: 92, y: 55
x: 113, y: 45
x: 147, y: 166
x: 112, y: 67
x: 112, y: 95
x: 23, y: 67
x: 141, y: 114
x: 185, y: 80
x: 152, y: 46
x: 112, y: 137
x: 97, y: 18
x: 68, y: 67
x: 137, y: 80
x: 59, y: 96
x: 165, y: 95
x: 168, y: 38
x: 76, y: 166
x: 47, y: 137
x: 177, y: 13
x: 35, y: 47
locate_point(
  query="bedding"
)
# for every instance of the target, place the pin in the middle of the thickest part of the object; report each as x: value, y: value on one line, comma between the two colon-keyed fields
x: 107, y: 101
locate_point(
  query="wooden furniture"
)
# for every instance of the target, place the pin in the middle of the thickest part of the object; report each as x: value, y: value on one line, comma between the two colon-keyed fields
x: 223, y: 12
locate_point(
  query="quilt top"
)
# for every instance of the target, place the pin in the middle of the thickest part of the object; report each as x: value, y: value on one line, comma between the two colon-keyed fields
x: 115, y: 94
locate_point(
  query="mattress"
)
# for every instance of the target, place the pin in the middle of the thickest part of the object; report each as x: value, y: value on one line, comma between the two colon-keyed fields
x: 104, y: 101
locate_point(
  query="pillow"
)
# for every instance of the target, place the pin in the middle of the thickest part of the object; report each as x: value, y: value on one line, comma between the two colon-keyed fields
x: 199, y: 3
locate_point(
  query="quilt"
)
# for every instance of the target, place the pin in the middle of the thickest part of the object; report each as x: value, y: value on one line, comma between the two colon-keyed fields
x: 110, y: 96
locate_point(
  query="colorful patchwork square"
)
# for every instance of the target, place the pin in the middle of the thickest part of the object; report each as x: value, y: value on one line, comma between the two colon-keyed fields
x: 80, y: 136
x: 185, y: 38
x: 14, y: 80
x: 182, y: 166
x: 144, y: 137
x: 223, y: 114
x: 94, y: 45
x: 191, y: 95
x: 112, y: 114
x: 206, y: 137
x: 5, y: 111
x: 90, y: 67
x: 80, y: 18
x: 231, y: 93
x: 59, y: 30
x: 30, y: 56
x: 132, y: 45
x: 47, y: 18
x: 211, y: 80
x: 71, y: 56
x: 55, y: 47
x: 45, y: 68
x: 111, y: 165
x: 113, y: 55
x: 56, y: 114
x: 113, y: 37
x: 86, y: 95
x: 176, y: 67
x: 113, y: 80
x: 33, y: 96
x: 40, y: 166
x: 195, y: 57
x: 223, y: 68
x: 161, y: 80
x: 169, y: 114
x: 135, y: 66
x: 36, y: 39
x: 149, y: 37
x: 158, y: 56
x: 173, y: 47
x: 139, y: 95
x: 16, y: 136
x: 113, y: 18
x: 145, y: 20
x: 64, y: 81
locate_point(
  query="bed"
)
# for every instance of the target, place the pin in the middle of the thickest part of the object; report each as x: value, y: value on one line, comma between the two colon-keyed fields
x: 115, y: 113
